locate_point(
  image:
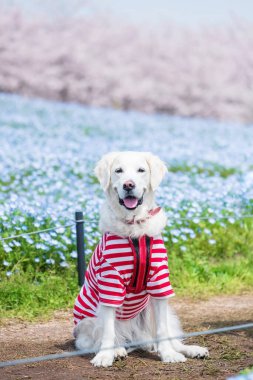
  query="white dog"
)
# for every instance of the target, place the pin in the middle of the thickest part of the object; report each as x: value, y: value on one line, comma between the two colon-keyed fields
x: 125, y: 295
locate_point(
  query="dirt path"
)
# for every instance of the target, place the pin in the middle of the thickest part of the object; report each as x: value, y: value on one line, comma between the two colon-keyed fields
x: 229, y: 353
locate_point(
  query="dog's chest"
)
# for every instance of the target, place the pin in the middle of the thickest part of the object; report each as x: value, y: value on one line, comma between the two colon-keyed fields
x: 134, y: 259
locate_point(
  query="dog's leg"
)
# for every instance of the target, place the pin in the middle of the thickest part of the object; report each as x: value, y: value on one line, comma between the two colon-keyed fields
x: 120, y: 353
x: 191, y: 351
x: 175, y: 330
x: 165, y: 348
x: 105, y: 356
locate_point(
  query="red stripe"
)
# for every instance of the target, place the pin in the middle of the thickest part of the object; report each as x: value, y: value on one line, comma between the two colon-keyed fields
x: 133, y: 272
x: 157, y: 260
x: 159, y: 250
x: 94, y: 300
x: 162, y: 276
x: 83, y: 311
x: 82, y: 302
x: 125, y: 271
x: 113, y: 237
x: 164, y: 294
x: 142, y: 264
x: 160, y: 286
x: 134, y: 306
x: 134, y: 311
x: 110, y: 302
x: 123, y: 255
x: 111, y: 293
x: 137, y: 297
x: 112, y: 285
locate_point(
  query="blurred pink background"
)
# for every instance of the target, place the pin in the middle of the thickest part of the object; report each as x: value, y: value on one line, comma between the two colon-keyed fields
x: 132, y: 56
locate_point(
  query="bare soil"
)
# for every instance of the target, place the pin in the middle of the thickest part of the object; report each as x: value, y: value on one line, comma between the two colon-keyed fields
x: 229, y: 353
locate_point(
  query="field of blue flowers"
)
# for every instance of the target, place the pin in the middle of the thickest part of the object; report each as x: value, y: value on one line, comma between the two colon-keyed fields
x: 47, y: 155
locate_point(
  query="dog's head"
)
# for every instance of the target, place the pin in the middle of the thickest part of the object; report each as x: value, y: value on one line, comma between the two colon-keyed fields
x: 130, y: 176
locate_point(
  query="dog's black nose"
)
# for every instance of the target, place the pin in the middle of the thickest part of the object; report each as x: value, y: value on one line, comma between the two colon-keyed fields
x: 129, y: 185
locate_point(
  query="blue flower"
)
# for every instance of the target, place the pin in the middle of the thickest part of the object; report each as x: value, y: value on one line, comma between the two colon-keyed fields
x: 64, y: 264
x: 50, y: 261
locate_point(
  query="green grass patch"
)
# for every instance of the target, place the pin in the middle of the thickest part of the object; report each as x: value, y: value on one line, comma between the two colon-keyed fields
x: 30, y: 297
x: 208, y: 169
x: 218, y: 260
x: 212, y: 265
x: 247, y: 371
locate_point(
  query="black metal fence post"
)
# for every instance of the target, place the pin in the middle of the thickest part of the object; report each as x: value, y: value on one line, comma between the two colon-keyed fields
x: 81, y: 267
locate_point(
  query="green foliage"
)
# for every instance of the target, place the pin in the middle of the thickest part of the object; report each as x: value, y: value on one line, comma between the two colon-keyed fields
x: 208, y: 169
x: 246, y: 371
x: 222, y: 264
x: 200, y: 270
x: 28, y: 296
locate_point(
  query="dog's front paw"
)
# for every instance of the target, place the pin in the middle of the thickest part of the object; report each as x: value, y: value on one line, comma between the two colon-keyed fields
x: 195, y: 352
x: 103, y: 359
x: 172, y: 356
x: 120, y: 352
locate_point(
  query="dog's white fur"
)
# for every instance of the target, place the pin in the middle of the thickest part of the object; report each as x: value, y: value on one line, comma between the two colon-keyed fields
x: 158, y: 320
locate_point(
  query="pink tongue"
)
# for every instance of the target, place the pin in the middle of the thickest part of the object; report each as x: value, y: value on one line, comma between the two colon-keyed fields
x: 130, y: 202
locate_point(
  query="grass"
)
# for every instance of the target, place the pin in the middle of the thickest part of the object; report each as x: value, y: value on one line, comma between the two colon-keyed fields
x: 247, y: 371
x: 30, y: 297
x: 201, y: 270
x: 205, y: 269
x: 208, y: 169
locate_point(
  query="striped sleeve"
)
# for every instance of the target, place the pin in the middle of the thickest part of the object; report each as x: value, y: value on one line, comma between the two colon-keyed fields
x: 159, y: 285
x: 111, y: 288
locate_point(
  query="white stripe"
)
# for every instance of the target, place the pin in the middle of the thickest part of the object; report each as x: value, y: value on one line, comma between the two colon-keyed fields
x: 124, y: 267
x: 159, y: 255
x: 110, y: 280
x: 129, y: 303
x: 133, y: 305
x: 158, y: 291
x: 119, y: 259
x: 94, y: 308
x: 160, y: 273
x: 158, y: 282
x: 107, y: 272
x: 110, y: 288
x: 77, y: 303
x: 164, y: 297
x: 77, y: 313
x: 91, y: 282
x: 132, y: 312
x: 118, y: 250
x: 158, y: 246
x: 109, y: 297
x: 117, y: 241
x: 131, y: 295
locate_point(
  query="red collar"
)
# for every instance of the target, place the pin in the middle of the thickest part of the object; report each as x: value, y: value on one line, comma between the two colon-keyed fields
x: 150, y: 214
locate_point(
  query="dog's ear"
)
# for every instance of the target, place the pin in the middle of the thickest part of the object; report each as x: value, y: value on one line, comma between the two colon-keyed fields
x: 103, y: 169
x: 158, y: 169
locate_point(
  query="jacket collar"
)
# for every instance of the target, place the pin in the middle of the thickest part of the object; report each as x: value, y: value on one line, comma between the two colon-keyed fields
x: 151, y: 213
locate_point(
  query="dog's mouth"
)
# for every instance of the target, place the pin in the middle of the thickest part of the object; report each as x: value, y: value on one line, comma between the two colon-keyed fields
x: 130, y: 202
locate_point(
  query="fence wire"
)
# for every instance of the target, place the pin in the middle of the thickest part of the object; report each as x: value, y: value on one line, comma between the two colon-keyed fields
x: 37, y: 232
x: 86, y: 221
x: 198, y: 218
x: 137, y: 344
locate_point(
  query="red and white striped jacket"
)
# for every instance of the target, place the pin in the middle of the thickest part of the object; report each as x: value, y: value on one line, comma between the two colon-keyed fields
x: 124, y: 273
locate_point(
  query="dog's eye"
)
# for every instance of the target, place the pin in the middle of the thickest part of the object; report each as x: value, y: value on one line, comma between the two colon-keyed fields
x: 141, y: 170
x: 119, y: 170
